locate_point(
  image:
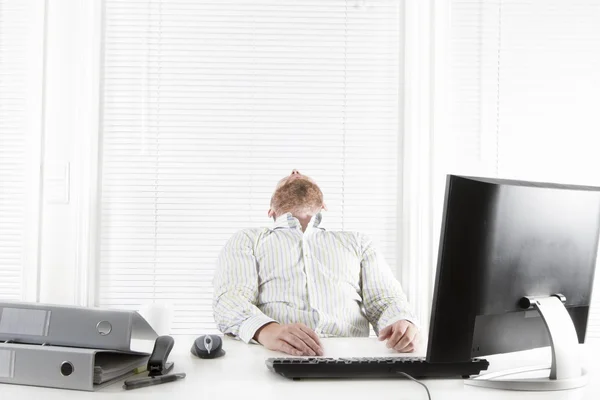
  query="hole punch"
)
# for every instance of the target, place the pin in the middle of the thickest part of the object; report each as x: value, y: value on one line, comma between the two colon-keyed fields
x: 158, y: 364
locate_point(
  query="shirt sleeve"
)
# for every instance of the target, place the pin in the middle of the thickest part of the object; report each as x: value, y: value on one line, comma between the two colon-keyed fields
x: 384, y: 300
x: 236, y: 289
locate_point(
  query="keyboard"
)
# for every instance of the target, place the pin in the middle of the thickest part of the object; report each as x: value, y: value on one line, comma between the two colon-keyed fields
x: 372, y: 367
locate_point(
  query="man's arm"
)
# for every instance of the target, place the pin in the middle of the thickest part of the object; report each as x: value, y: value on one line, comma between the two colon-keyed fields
x: 383, y: 298
x: 236, y: 289
x: 236, y: 293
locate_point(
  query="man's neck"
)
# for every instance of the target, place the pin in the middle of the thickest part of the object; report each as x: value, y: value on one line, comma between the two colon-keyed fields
x: 304, y: 220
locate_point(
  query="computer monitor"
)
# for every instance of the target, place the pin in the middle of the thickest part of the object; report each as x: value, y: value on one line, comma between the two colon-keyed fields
x: 516, y: 260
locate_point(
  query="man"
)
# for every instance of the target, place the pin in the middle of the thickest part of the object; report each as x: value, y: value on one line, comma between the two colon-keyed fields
x: 288, y: 285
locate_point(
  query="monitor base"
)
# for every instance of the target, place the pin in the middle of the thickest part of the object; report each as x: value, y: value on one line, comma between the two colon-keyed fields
x: 513, y: 380
x: 565, y: 371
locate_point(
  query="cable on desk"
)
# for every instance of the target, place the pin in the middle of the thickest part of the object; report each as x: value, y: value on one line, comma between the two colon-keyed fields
x: 418, y: 381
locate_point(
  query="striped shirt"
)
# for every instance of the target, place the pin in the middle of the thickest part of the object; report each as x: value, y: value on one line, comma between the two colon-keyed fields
x: 336, y: 283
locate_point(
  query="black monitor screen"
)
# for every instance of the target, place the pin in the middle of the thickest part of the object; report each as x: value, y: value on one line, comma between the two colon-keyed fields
x: 502, y: 240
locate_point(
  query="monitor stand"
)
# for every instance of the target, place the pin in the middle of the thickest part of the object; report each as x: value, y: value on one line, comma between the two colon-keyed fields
x: 565, y: 372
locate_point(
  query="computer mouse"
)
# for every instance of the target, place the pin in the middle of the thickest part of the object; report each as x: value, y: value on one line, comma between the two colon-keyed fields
x: 208, y: 346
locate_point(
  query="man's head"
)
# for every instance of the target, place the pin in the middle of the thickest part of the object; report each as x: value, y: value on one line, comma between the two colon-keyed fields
x: 297, y: 194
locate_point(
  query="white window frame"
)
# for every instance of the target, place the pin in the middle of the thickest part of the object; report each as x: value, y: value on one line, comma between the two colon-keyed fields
x: 31, y: 259
x: 426, y: 26
x: 64, y: 277
x: 32, y: 229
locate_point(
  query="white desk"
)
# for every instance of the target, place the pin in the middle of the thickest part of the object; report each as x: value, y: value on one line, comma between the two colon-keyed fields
x: 242, y: 374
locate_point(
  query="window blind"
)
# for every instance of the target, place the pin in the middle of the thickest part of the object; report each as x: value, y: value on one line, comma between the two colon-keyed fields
x: 206, y: 105
x: 20, y: 114
x: 524, y: 87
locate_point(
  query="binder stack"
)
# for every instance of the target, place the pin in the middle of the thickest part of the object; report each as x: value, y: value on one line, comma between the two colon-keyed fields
x: 69, y: 347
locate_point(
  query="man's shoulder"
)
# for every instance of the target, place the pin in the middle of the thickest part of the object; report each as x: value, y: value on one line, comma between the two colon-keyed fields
x: 359, y: 241
x: 350, y: 235
x: 247, y: 237
x: 251, y: 233
x: 353, y: 239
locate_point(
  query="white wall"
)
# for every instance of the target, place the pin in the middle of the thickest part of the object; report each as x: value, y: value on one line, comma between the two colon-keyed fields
x: 523, y: 84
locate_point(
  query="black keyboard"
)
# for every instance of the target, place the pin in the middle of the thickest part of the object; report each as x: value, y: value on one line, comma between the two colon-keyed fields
x: 372, y: 367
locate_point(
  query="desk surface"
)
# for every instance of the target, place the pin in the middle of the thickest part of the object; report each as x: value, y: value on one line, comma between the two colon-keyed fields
x: 242, y: 374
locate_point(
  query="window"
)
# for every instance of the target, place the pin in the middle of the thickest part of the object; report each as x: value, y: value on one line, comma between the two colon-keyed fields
x: 524, y: 84
x: 207, y: 104
x: 21, y: 30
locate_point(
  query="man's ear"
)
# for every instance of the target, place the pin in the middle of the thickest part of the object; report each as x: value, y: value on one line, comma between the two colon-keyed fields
x: 271, y: 213
x: 325, y: 207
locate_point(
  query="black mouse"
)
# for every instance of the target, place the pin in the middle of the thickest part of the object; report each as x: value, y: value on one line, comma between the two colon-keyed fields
x: 208, y: 346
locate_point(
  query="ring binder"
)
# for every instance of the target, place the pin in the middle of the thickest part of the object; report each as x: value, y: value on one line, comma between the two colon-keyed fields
x: 72, y: 326
x: 7, y: 363
x: 65, y: 367
x: 69, y: 347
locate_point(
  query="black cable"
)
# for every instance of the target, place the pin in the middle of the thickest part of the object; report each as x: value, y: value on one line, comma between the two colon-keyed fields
x: 418, y: 381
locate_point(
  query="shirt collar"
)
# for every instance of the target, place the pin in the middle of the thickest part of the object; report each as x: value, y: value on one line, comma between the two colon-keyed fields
x: 287, y: 220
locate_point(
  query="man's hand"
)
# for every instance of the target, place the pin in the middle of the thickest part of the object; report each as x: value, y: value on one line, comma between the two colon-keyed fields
x: 401, y: 336
x: 294, y: 339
